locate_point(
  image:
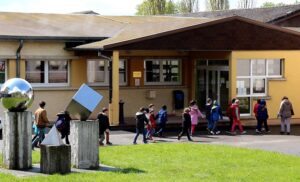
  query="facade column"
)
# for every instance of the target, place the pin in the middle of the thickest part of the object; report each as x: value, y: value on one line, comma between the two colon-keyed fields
x: 114, y: 105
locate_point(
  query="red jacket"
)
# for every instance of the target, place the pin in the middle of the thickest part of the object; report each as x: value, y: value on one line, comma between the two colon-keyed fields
x: 235, y: 111
x: 255, y: 109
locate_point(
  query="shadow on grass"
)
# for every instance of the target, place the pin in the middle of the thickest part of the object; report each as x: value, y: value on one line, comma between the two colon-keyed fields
x: 129, y: 170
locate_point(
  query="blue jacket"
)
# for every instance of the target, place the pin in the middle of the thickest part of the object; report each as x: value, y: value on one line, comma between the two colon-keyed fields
x: 216, y: 113
x: 162, y: 116
x: 262, y: 113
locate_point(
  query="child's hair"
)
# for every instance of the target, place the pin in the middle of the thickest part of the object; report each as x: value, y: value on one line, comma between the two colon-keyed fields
x: 186, y: 110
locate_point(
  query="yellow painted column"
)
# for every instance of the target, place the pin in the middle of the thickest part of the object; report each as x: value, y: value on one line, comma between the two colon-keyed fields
x: 232, y: 77
x: 114, y: 105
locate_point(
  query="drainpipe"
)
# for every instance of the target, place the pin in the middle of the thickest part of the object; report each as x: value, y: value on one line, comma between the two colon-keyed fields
x: 18, y: 57
x: 110, y: 74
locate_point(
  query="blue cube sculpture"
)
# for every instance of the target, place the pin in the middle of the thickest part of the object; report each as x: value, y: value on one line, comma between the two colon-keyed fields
x: 84, y: 102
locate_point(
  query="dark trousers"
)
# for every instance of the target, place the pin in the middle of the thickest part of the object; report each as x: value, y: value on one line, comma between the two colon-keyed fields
x: 183, y: 131
x: 161, y: 128
x: 230, y: 123
x: 138, y: 131
x: 262, y: 122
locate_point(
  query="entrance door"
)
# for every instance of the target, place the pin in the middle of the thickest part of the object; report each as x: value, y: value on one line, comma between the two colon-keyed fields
x: 213, y: 82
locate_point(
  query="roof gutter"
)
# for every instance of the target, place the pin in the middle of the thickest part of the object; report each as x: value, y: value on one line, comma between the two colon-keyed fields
x: 18, y: 57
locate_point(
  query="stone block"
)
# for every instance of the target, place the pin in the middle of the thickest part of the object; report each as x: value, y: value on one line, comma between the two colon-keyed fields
x: 55, y: 159
x: 17, y: 134
x: 84, y: 137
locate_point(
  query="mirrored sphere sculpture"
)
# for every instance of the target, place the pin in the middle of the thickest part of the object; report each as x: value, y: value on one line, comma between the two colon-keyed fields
x: 16, y: 95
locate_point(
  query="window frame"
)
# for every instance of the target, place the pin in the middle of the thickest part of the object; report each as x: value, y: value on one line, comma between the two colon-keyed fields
x: 161, y: 82
x: 106, y: 73
x: 5, y: 71
x: 46, y: 73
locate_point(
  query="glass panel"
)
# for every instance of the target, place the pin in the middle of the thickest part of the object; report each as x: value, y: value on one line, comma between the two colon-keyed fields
x: 259, y: 86
x: 171, y: 71
x: 2, y: 71
x: 243, y: 67
x: 201, y: 89
x: 244, y: 105
x: 96, y: 71
x: 259, y: 67
x: 213, y: 85
x: 35, y: 71
x: 122, y: 71
x: 202, y: 63
x: 243, y: 86
x: 224, y: 90
x: 274, y: 67
x: 58, y: 71
x: 152, y: 71
x: 218, y: 63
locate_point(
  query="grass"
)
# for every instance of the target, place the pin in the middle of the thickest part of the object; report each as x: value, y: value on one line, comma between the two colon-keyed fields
x: 183, y: 162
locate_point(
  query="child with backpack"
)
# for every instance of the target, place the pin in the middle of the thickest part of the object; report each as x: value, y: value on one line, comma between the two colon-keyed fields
x: 63, y: 125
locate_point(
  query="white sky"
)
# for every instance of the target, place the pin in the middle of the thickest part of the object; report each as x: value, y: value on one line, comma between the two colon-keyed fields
x: 104, y: 7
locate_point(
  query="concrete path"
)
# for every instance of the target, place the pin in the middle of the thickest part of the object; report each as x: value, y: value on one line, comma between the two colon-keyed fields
x: 287, y: 144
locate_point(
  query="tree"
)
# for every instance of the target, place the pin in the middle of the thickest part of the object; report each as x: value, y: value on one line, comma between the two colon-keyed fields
x: 217, y: 5
x: 188, y: 6
x: 246, y: 4
x: 156, y: 7
x: 271, y: 4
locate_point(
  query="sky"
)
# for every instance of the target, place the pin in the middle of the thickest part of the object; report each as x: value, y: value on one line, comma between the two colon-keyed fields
x: 104, y: 7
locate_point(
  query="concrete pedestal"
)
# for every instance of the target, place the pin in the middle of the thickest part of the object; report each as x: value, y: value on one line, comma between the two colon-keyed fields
x: 17, y: 134
x: 55, y: 159
x: 84, y: 137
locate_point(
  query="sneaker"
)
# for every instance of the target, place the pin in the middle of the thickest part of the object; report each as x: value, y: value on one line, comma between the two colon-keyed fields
x: 257, y: 131
x: 191, y: 140
x: 288, y: 133
x: 101, y: 143
x: 134, y: 143
x: 281, y: 133
x: 108, y: 143
x: 268, y: 131
x: 218, y: 132
x: 232, y: 132
x: 178, y: 138
x: 211, y: 132
x: 243, y: 132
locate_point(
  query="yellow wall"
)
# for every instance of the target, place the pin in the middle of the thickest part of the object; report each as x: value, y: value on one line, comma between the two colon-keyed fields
x: 276, y: 89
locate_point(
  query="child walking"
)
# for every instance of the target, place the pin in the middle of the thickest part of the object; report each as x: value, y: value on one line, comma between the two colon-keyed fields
x: 195, y: 114
x: 186, y: 124
x: 236, y: 117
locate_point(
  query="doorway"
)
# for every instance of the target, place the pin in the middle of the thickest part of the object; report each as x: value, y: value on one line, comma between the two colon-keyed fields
x: 212, y: 82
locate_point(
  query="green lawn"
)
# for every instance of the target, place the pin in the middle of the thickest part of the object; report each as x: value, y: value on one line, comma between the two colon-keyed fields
x: 184, y: 162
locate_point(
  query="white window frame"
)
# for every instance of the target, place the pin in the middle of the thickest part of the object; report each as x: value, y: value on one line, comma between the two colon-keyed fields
x: 266, y: 77
x: 161, y: 82
x: 46, y: 74
x: 106, y: 73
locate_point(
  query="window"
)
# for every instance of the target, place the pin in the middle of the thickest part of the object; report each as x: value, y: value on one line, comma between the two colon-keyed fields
x: 252, y: 77
x: 162, y: 71
x: 47, y: 72
x: 2, y: 71
x: 98, y: 72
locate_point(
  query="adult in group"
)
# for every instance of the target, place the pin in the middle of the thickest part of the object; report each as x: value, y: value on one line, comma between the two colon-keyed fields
x: 141, y: 122
x: 195, y: 114
x: 41, y: 122
x: 285, y: 112
x: 104, y: 127
x: 162, y: 120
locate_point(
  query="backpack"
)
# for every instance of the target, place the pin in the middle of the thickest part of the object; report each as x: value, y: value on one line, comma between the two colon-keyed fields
x: 60, y: 124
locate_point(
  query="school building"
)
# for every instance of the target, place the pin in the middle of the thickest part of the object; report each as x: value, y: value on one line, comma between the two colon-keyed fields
x: 247, y: 54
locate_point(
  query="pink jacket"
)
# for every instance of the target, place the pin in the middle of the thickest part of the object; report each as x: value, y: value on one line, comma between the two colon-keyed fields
x: 195, y: 113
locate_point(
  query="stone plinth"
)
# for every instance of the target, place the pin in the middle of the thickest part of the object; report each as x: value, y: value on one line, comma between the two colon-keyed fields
x: 55, y: 159
x: 17, y: 134
x: 84, y: 137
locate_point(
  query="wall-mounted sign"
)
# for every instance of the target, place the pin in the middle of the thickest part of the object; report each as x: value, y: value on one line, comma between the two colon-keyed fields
x: 137, y: 74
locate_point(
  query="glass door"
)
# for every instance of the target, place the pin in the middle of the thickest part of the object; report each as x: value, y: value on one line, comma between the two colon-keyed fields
x: 213, y: 83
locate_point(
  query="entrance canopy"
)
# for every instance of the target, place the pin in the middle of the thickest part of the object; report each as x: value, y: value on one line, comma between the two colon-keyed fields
x: 233, y: 33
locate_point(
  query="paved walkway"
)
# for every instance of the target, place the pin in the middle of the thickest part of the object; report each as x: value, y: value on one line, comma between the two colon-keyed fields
x: 287, y: 144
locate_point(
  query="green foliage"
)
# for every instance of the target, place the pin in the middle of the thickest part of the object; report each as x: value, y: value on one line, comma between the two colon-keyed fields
x: 214, y: 5
x: 188, y: 6
x: 183, y: 162
x: 156, y: 7
x: 271, y: 4
x: 246, y: 4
